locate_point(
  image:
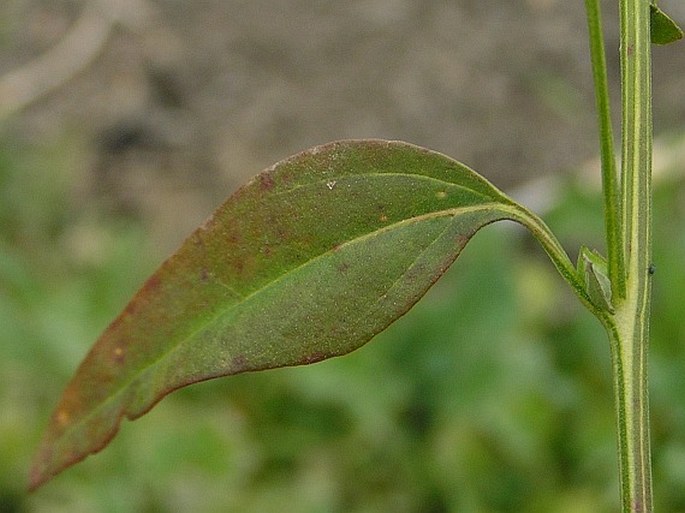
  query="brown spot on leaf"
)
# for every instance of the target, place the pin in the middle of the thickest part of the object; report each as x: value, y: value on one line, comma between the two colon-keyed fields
x: 316, y: 356
x: 197, y: 239
x: 129, y: 310
x: 152, y: 284
x: 149, y: 287
x: 266, y: 182
x: 62, y: 417
x: 461, y: 240
x: 239, y: 364
x: 233, y: 237
x: 118, y: 355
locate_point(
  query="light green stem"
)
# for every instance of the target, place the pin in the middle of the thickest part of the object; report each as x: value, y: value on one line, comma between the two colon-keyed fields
x: 629, y: 358
x: 629, y: 333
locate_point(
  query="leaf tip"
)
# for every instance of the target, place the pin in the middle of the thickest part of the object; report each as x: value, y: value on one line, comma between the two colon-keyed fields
x: 40, y: 472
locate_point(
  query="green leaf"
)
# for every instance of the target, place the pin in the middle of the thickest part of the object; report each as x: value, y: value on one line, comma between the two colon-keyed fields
x: 663, y: 29
x: 309, y: 260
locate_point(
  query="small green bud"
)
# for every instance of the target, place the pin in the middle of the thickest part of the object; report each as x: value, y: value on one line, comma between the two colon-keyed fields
x: 593, y: 268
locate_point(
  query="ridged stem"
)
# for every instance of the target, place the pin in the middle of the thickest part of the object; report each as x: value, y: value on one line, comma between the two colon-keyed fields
x: 630, y: 339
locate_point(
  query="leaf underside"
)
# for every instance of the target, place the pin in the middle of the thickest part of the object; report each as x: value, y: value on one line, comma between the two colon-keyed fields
x: 309, y: 260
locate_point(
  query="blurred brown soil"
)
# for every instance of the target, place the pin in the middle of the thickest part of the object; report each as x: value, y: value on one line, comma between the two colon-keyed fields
x: 189, y: 99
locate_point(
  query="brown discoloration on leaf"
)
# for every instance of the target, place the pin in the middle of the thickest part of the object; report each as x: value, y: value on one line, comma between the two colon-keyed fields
x: 462, y: 240
x: 239, y: 364
x: 151, y: 284
x: 62, y: 418
x: 266, y: 181
x: 196, y: 238
x: 314, y: 357
x: 118, y: 355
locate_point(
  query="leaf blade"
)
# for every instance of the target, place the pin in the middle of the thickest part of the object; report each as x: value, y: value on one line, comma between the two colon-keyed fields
x: 309, y: 260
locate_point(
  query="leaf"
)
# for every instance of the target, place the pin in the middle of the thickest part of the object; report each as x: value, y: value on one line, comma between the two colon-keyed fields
x: 663, y: 29
x: 593, y: 268
x: 309, y: 260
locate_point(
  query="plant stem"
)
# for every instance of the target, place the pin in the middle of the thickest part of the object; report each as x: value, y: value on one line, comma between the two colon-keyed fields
x: 610, y: 187
x: 630, y: 331
x: 629, y: 359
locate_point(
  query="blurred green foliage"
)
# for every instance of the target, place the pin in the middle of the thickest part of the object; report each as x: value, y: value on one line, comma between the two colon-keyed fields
x: 494, y: 394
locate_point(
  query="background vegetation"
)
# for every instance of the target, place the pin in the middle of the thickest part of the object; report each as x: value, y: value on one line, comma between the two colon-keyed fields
x: 492, y: 395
